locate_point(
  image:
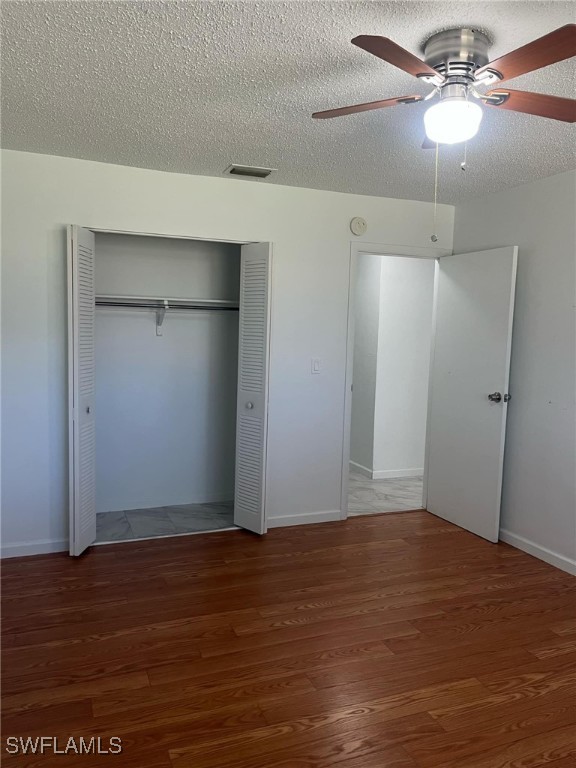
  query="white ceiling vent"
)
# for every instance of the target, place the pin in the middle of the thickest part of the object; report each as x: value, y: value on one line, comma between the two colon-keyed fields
x: 250, y: 171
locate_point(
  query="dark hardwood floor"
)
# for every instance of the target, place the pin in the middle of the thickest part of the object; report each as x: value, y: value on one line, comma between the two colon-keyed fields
x: 395, y: 641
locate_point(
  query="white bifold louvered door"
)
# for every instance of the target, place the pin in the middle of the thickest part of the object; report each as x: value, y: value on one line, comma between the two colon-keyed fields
x: 81, y: 388
x: 252, y: 414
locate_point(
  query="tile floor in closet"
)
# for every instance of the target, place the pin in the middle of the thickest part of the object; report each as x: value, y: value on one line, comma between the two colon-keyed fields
x: 163, y: 521
x: 370, y: 497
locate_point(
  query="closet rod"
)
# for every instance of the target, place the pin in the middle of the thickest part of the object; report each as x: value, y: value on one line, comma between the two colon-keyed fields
x: 133, y: 302
x: 133, y: 305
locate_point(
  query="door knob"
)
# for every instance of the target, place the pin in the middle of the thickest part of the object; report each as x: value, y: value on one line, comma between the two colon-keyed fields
x: 249, y: 406
x: 495, y: 397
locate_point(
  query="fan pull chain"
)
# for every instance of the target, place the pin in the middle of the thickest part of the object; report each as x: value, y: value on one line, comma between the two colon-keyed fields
x: 463, y: 164
x: 434, y: 237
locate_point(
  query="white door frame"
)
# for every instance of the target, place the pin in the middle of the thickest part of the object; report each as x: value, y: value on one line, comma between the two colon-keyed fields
x: 104, y: 230
x: 375, y: 249
x: 170, y: 236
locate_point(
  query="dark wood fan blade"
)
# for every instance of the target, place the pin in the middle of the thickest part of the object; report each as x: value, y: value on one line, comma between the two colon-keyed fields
x: 541, y: 104
x: 553, y: 47
x: 341, y: 111
x: 394, y: 54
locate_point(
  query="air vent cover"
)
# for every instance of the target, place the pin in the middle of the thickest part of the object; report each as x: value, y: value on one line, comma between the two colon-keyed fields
x: 250, y: 171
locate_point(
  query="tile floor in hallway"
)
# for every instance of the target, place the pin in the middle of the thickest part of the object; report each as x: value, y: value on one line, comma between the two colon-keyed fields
x: 369, y: 497
x: 163, y: 521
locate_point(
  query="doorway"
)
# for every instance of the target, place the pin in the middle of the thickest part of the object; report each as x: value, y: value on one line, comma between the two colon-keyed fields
x: 468, y: 390
x: 393, y: 318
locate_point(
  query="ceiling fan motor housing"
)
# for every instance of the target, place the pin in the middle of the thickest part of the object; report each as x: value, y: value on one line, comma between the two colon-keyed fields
x: 457, y: 54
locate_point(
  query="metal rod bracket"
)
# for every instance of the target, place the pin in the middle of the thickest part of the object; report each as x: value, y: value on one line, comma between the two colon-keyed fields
x: 160, y: 315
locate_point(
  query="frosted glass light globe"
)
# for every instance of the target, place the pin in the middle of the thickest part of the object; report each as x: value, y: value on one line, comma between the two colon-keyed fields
x: 452, y: 121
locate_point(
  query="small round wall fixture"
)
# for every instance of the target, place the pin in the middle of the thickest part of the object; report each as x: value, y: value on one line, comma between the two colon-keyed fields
x: 358, y: 226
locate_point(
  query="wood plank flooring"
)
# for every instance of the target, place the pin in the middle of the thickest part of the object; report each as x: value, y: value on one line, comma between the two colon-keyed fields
x: 397, y: 641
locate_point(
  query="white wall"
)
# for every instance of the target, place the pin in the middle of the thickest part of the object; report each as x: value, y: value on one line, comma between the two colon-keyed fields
x: 393, y: 328
x: 401, y: 397
x: 166, y: 405
x: 161, y: 266
x: 539, y: 499
x: 366, y: 318
x: 311, y: 239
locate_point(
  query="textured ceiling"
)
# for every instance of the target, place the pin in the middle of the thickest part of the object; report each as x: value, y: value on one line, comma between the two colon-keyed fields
x: 193, y: 86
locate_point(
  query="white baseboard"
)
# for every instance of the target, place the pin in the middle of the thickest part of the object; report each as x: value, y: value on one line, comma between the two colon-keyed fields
x: 542, y: 553
x: 214, y: 498
x: 385, y: 474
x: 362, y: 470
x: 328, y: 516
x: 23, y: 549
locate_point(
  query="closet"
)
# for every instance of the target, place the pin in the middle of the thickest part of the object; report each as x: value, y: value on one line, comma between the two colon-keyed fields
x: 168, y: 368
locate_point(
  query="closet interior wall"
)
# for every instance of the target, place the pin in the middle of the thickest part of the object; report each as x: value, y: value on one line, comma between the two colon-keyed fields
x: 165, y: 404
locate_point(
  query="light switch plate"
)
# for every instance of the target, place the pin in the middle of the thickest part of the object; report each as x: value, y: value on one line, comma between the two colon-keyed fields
x: 315, y: 365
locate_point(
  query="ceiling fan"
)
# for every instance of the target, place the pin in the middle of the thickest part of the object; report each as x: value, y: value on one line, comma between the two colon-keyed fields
x: 457, y: 64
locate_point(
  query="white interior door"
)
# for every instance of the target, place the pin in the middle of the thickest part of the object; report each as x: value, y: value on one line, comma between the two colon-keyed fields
x: 82, y: 437
x: 252, y: 414
x: 471, y: 360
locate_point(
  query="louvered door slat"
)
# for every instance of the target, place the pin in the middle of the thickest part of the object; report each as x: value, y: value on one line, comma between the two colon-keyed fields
x: 251, y: 427
x: 82, y: 434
